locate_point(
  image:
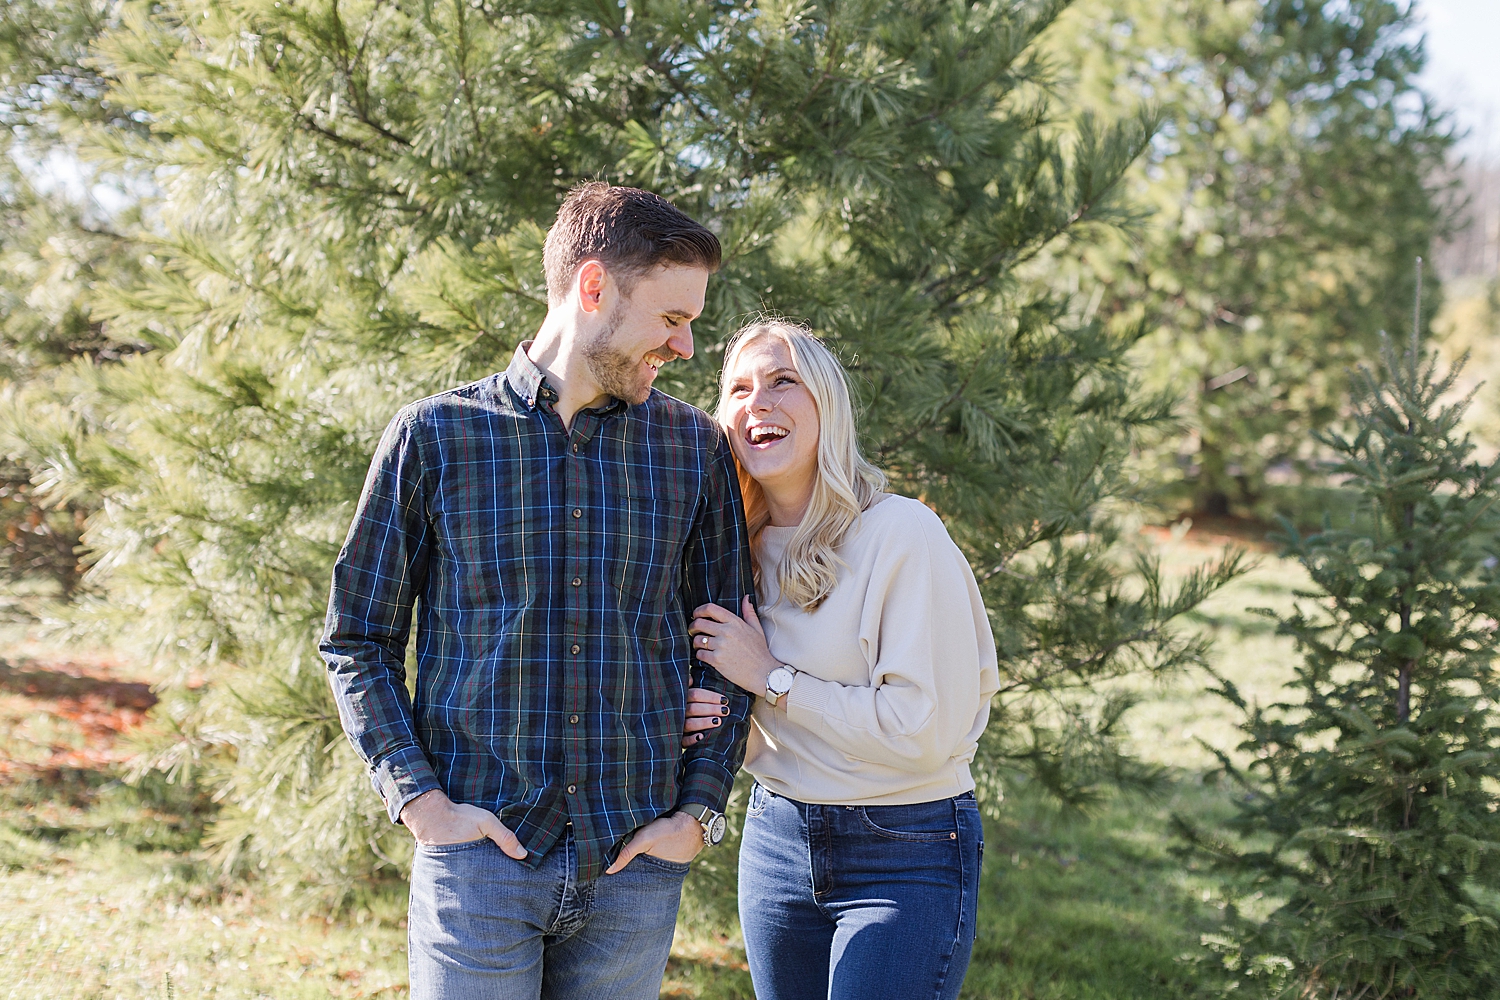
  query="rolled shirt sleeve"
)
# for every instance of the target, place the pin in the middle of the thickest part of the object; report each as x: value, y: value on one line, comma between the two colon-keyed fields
x: 376, y: 579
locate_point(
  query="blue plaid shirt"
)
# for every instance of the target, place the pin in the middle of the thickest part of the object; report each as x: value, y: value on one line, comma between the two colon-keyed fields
x: 553, y: 572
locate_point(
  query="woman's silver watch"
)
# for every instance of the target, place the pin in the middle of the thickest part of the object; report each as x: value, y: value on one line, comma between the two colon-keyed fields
x: 779, y: 682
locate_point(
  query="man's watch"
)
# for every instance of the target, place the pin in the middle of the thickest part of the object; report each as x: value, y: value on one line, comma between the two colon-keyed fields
x: 779, y: 682
x: 712, y: 823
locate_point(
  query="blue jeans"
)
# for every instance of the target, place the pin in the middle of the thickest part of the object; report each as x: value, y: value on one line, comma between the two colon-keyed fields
x: 483, y: 925
x: 859, y: 902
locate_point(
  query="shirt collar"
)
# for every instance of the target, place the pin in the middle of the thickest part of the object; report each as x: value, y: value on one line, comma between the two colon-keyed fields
x: 526, y: 379
x: 530, y: 383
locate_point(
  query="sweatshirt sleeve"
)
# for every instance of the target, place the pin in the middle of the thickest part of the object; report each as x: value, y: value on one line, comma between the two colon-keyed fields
x: 933, y: 667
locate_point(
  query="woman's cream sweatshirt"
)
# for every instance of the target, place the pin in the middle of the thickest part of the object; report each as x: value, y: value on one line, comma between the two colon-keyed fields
x: 895, y: 668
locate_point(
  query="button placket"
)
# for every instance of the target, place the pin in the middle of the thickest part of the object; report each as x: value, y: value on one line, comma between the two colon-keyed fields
x: 577, y: 496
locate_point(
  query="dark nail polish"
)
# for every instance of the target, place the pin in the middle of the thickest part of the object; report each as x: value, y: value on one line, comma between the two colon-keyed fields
x: 724, y: 710
x: 716, y: 722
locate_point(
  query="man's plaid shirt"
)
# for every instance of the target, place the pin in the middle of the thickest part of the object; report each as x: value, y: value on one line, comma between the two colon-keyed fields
x: 553, y: 573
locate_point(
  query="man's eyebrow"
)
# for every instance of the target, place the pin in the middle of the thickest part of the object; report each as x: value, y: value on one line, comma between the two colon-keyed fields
x: 677, y: 314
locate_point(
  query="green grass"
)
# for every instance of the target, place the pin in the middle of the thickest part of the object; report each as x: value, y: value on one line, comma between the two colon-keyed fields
x: 103, y: 892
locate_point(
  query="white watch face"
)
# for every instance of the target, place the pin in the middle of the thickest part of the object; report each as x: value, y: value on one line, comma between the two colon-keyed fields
x: 780, y: 681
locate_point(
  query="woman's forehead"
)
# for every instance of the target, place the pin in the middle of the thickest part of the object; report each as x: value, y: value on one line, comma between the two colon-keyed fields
x: 764, y: 354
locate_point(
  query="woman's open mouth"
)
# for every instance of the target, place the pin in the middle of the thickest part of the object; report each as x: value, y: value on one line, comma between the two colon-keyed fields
x: 764, y: 435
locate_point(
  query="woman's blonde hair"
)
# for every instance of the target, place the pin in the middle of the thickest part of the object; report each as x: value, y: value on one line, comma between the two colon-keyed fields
x: 846, y: 483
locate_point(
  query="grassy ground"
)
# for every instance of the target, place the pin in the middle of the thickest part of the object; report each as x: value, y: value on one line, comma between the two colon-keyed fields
x: 103, y: 893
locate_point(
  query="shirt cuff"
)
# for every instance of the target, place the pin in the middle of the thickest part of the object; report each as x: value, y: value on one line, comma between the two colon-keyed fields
x: 400, y: 777
x: 706, y: 783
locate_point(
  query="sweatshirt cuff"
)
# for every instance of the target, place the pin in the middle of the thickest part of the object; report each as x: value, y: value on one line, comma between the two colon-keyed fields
x: 706, y: 783
x: 400, y: 777
x: 807, y: 703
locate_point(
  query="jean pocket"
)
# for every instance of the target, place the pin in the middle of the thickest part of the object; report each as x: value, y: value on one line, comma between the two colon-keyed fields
x: 918, y: 822
x: 668, y: 866
x: 758, y: 799
x: 462, y: 845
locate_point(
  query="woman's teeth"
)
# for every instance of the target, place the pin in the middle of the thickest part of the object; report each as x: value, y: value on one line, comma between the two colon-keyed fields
x: 760, y: 435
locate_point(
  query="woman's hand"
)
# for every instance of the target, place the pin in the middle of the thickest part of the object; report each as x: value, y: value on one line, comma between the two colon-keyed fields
x: 734, y: 646
x: 705, y: 711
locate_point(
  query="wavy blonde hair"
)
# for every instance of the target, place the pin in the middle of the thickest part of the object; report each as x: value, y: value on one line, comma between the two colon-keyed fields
x: 846, y: 484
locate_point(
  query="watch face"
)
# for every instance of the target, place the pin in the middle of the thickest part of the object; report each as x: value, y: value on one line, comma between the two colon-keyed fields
x: 715, y: 830
x: 780, y: 681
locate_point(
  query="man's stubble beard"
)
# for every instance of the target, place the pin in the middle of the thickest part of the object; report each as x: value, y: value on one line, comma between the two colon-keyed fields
x: 613, y: 370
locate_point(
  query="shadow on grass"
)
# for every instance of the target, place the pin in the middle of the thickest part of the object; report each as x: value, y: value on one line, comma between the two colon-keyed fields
x: 75, y: 685
x: 1094, y: 908
x: 1241, y: 625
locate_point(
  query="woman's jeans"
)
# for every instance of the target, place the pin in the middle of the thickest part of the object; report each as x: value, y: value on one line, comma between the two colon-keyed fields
x: 859, y: 902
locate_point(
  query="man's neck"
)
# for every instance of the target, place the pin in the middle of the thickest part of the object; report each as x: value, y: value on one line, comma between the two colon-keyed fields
x: 556, y: 352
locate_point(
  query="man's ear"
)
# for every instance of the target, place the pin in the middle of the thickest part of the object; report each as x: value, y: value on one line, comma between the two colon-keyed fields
x: 590, y: 281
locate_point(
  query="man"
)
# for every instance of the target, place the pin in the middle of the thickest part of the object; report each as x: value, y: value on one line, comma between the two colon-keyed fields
x: 553, y: 525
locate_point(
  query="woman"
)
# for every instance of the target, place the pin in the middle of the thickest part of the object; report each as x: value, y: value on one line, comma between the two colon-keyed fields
x: 873, y: 665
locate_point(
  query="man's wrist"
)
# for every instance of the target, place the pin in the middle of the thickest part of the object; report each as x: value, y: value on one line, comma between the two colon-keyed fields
x: 710, y: 823
x: 422, y: 805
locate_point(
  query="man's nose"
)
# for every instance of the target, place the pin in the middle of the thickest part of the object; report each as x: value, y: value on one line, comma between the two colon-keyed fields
x: 681, y: 341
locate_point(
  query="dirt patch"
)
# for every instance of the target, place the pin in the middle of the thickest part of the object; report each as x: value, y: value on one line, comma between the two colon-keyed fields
x: 1213, y: 531
x: 58, y: 718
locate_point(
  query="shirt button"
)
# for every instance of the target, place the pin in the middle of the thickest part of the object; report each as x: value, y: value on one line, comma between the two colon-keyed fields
x: 573, y: 719
x: 572, y: 789
x: 577, y: 511
x: 576, y: 647
x: 575, y: 448
x: 576, y: 581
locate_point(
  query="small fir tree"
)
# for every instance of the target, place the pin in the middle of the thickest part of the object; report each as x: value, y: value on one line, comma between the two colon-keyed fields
x: 1375, y: 789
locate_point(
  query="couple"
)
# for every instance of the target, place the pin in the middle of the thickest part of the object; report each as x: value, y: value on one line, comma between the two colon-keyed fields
x: 590, y: 661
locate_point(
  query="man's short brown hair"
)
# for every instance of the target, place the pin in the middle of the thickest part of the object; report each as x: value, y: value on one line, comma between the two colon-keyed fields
x: 630, y: 231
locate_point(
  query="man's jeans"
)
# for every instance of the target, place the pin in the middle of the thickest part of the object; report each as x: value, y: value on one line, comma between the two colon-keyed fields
x: 859, y: 902
x: 484, y: 925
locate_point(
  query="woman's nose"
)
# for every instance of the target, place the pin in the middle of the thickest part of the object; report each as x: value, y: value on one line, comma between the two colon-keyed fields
x: 761, y: 400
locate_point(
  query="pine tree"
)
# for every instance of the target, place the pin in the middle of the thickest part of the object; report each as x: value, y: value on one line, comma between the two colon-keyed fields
x: 1299, y: 170
x: 57, y: 247
x: 1375, y: 786
x: 353, y: 197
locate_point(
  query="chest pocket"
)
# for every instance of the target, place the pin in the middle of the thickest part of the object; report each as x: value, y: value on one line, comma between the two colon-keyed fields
x: 646, y: 555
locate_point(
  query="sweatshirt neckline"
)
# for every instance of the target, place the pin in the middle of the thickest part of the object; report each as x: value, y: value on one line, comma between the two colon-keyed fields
x: 786, y: 530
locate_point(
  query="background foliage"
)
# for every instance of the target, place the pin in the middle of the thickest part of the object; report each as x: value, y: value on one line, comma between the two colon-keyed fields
x: 1301, y: 170
x: 241, y: 233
